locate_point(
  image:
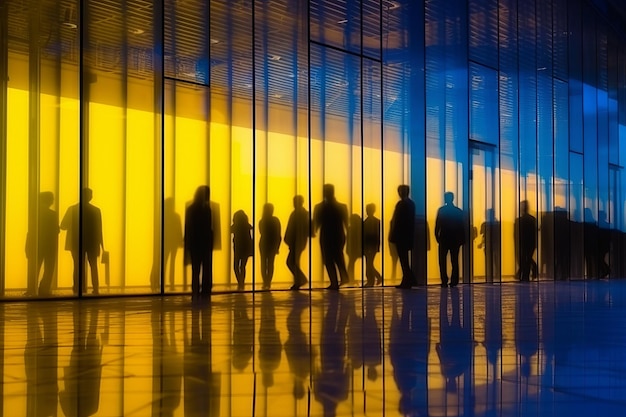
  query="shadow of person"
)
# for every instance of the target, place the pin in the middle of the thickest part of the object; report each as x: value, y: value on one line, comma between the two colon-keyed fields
x: 89, y: 246
x: 372, y: 343
x: 297, y: 236
x: 402, y: 234
x: 198, y: 241
x: 297, y: 348
x: 269, y: 243
x: 330, y: 218
x: 167, y: 363
x: 41, y: 362
x: 270, y: 346
x: 525, y: 234
x: 172, y: 240
x: 242, y: 246
x: 456, y: 347
x: 409, y: 347
x: 42, y: 245
x: 82, y: 377
x: 332, y: 380
x: 354, y: 246
x: 371, y: 245
x: 526, y: 328
x: 243, y: 334
x: 490, y: 231
x: 202, y: 385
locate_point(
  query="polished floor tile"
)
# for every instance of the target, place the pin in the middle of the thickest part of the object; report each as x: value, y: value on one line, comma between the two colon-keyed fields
x: 540, y: 349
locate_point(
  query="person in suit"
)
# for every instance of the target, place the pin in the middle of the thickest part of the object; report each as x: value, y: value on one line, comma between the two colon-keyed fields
x: 402, y: 234
x: 269, y: 243
x: 490, y: 231
x: 42, y: 244
x: 450, y: 235
x: 525, y: 232
x: 371, y: 245
x: 198, y: 241
x: 92, y: 241
x: 331, y: 219
x: 297, y: 235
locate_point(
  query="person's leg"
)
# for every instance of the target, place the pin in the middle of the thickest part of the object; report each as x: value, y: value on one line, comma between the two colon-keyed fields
x: 369, y: 269
x: 76, y: 271
x: 93, y: 265
x: 443, y: 264
x: 270, y: 269
x: 301, y: 276
x: 207, y: 273
x: 264, y: 268
x: 340, y: 261
x: 454, y: 260
x: 196, y: 264
x: 49, y: 262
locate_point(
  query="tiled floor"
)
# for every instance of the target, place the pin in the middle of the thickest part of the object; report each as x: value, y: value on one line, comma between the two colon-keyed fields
x: 540, y: 349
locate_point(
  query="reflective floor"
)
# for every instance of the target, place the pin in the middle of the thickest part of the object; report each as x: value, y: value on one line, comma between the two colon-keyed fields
x: 540, y: 349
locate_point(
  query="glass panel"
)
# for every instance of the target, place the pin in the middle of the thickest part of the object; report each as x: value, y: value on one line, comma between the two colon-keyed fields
x: 337, y: 23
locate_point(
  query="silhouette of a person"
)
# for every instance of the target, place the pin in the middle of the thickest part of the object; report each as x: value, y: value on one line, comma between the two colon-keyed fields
x: 354, y: 245
x: 92, y: 241
x: 331, y: 219
x: 371, y: 245
x: 42, y: 245
x: 490, y: 241
x: 83, y: 375
x: 270, y: 347
x: 456, y: 346
x: 242, y: 245
x: 525, y: 231
x: 604, y: 244
x: 173, y: 239
x: 41, y: 362
x: 269, y: 243
x: 402, y: 234
x: 526, y: 328
x: 297, y: 348
x: 409, y: 346
x: 372, y: 343
x: 201, y: 384
x: 167, y: 364
x: 199, y: 241
x: 450, y: 235
x: 297, y: 235
x: 332, y: 381
x: 243, y: 333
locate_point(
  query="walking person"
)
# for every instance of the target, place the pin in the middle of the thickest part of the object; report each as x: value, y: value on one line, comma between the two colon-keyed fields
x: 297, y: 235
x: 331, y: 219
x: 402, y: 234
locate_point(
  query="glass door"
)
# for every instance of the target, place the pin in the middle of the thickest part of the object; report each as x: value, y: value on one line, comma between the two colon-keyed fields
x: 485, y: 229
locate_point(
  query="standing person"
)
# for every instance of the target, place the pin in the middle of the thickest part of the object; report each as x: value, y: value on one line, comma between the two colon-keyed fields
x: 402, y: 234
x: 450, y: 235
x: 91, y: 222
x: 242, y: 245
x: 331, y: 219
x: 297, y: 235
x: 42, y: 246
x: 173, y: 239
x: 525, y: 231
x: 371, y: 245
x: 490, y: 242
x: 199, y: 241
x: 270, y: 230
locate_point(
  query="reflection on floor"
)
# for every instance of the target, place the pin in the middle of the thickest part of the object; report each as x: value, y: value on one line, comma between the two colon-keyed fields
x: 540, y: 349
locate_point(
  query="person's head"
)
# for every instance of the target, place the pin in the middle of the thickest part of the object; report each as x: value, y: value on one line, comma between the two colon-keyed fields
x: 46, y: 198
x: 268, y: 210
x: 448, y: 197
x: 523, y: 206
x: 203, y: 193
x: 298, y: 201
x: 329, y: 192
x: 87, y: 195
x: 403, y: 191
x: 370, y: 209
x: 240, y: 217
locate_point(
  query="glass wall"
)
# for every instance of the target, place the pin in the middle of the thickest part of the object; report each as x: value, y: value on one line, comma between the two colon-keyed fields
x: 114, y: 112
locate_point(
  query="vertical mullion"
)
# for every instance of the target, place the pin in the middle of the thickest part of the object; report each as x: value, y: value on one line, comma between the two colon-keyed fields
x: 4, y: 77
